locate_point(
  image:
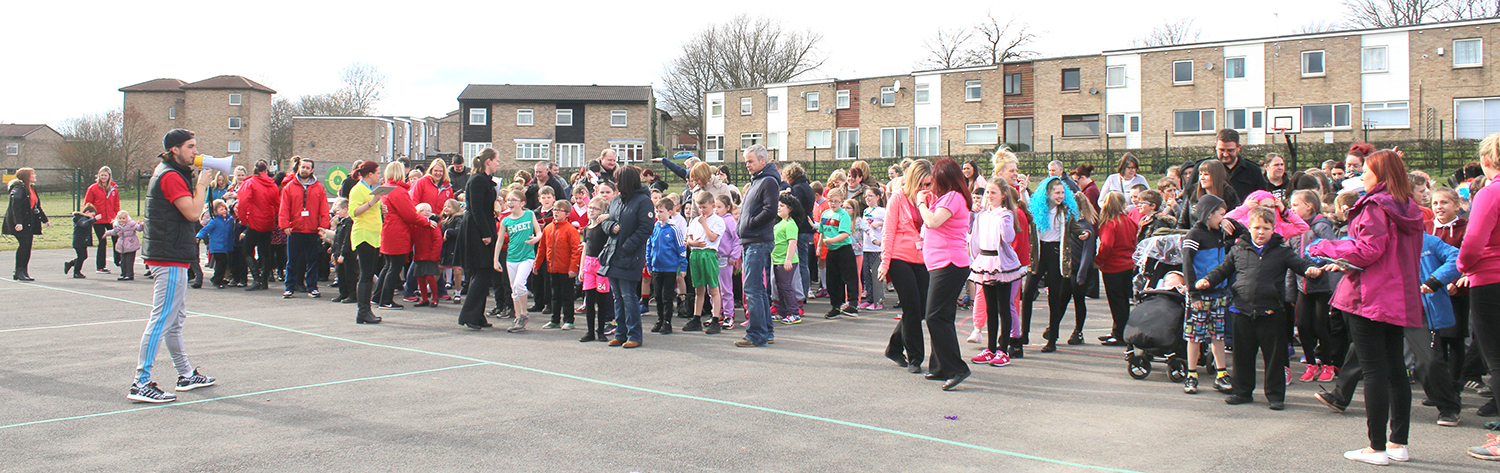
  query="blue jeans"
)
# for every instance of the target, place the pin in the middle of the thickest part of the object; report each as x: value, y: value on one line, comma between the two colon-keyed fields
x: 627, y: 293
x: 757, y: 296
x: 805, y: 255
x: 301, y: 262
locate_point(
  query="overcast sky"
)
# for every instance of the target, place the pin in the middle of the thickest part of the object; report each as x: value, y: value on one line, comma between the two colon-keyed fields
x: 70, y: 58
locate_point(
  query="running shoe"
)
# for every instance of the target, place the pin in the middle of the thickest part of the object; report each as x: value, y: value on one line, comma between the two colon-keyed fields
x: 1311, y: 373
x: 1001, y: 359
x: 189, y: 383
x: 974, y: 336
x: 1489, y: 451
x: 983, y: 357
x: 551, y: 326
x: 1191, y: 385
x: 1328, y: 373
x: 791, y: 319
x: 149, y: 393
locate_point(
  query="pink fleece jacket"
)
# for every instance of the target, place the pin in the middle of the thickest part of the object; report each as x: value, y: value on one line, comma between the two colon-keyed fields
x: 1386, y: 240
x: 901, y: 232
x: 1479, y: 257
x: 1288, y: 224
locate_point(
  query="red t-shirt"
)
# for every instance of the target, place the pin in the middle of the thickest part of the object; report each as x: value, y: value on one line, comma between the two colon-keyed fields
x: 174, y: 188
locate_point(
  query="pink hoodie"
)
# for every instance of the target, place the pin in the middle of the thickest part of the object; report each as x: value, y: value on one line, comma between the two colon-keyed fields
x: 1288, y: 225
x: 1479, y: 257
x: 1385, y: 240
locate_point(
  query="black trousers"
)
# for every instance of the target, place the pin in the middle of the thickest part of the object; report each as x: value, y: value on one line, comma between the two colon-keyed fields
x: 221, y: 269
x: 910, y: 280
x: 1484, y: 318
x: 843, y: 277
x: 598, y: 309
x: 259, y: 255
x: 369, y: 258
x: 99, y: 229
x: 942, y: 307
x: 1117, y: 289
x: 127, y: 264
x: 390, y: 277
x: 348, y: 275
x: 1432, y: 370
x: 237, y: 267
x: 539, y: 283
x: 996, y: 297
x: 562, y: 297
x: 1379, y: 346
x: 664, y: 287
x: 81, y: 254
x: 479, y: 280
x: 1450, y: 344
x: 1265, y: 334
x: 1029, y: 291
x: 1324, y: 339
x: 23, y: 254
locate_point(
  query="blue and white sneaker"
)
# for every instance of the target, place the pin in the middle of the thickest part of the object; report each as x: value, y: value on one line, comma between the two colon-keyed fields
x: 149, y: 393
x: 189, y: 383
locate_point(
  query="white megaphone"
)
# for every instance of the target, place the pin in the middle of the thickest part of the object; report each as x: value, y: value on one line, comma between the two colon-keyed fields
x: 224, y: 165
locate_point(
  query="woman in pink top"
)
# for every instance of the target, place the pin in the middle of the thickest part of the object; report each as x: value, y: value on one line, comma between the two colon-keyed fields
x: 901, y: 265
x: 1479, y: 260
x: 945, y: 217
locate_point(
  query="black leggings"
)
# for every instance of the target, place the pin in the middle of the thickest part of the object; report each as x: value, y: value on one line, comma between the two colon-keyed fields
x: 997, y: 296
x: 23, y: 253
x: 99, y: 229
x: 598, y: 308
x: 390, y: 277
x: 910, y: 280
x: 1117, y: 290
x: 1387, y: 391
x: 1484, y: 318
x: 1324, y: 339
x: 369, y: 257
x: 82, y: 254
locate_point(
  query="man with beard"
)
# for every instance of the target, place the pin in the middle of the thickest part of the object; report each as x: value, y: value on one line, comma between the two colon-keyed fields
x: 303, y: 215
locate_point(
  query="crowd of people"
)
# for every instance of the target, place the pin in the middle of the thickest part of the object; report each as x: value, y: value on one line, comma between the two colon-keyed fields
x: 1358, y: 262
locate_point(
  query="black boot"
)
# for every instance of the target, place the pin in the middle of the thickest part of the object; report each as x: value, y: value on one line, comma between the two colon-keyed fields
x: 657, y: 328
x: 693, y: 325
x: 666, y: 325
x: 713, y: 327
x: 366, y: 318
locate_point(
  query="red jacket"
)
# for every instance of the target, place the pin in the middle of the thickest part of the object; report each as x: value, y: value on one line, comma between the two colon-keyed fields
x: 106, y: 201
x: 258, y: 200
x: 1022, y: 243
x: 303, y: 209
x: 428, y: 242
x: 425, y: 191
x: 400, y: 216
x: 1117, y: 245
x: 560, y: 247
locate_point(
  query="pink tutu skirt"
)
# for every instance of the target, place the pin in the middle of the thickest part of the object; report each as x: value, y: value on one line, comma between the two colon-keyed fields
x: 986, y: 269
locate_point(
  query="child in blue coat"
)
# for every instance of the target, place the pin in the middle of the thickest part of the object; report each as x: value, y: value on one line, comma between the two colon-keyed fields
x: 219, y: 234
x: 664, y: 256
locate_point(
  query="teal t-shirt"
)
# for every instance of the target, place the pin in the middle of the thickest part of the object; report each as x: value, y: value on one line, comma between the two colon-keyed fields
x: 832, y: 224
x: 786, y: 230
x: 518, y: 230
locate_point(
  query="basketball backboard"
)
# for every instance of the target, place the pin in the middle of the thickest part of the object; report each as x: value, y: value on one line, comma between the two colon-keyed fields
x: 1284, y: 119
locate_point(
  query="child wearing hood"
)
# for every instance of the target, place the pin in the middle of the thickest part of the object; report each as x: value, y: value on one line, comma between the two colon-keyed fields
x: 129, y: 243
x: 1288, y: 223
x: 1203, y: 249
x: 83, y: 238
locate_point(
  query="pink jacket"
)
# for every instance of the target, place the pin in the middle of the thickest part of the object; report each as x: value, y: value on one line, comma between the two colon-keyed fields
x: 1479, y: 257
x: 901, y: 232
x: 1288, y: 224
x: 1386, y: 240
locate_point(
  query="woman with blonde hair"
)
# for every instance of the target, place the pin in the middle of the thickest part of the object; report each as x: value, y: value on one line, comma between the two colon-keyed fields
x: 1479, y: 262
x: 902, y: 265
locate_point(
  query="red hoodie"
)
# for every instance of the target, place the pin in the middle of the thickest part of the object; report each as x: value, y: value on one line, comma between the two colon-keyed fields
x: 400, y: 216
x: 106, y: 200
x: 303, y: 209
x: 259, y: 198
x: 425, y: 191
x: 1117, y: 245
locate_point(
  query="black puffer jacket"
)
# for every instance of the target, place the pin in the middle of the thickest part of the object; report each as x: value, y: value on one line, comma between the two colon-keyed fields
x: 22, y: 213
x: 1259, y: 284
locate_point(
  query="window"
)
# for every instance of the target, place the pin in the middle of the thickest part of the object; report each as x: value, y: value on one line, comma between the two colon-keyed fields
x: 532, y: 150
x: 565, y: 117
x: 928, y: 141
x: 618, y: 118
x: 629, y: 152
x: 1312, y: 64
x: 472, y: 149
x: 773, y: 103
x: 1234, y: 68
x: 716, y: 108
x: 751, y: 139
x: 570, y: 155
x: 746, y: 106
x: 1070, y: 79
x: 819, y: 139
x: 1135, y: 123
x: 887, y: 96
x: 1235, y: 119
x: 981, y: 134
x: 1080, y: 125
x: 1468, y: 52
x: 478, y: 116
x: 234, y: 123
x: 525, y: 117
x: 1257, y: 119
x: 775, y: 139
x: 234, y: 147
x: 714, y: 148
x: 12, y: 149
x: 1013, y: 84
x: 893, y: 142
x: 812, y: 100
x: 171, y: 113
x: 1386, y: 115
x: 234, y: 99
x: 848, y: 144
x: 1115, y: 124
x: 1476, y: 118
x: 972, y: 90
x: 1372, y: 59
x: 1114, y: 76
x: 922, y: 93
x: 841, y: 99
x: 1325, y: 116
x: 1192, y: 121
x: 1182, y: 72
x: 1018, y: 134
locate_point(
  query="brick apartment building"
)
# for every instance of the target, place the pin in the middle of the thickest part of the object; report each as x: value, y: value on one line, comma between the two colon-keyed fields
x: 344, y: 139
x: 1402, y: 83
x: 33, y: 146
x: 230, y: 115
x: 568, y: 124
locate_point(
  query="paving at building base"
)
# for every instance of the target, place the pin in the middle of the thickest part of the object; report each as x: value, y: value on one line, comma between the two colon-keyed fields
x: 301, y: 386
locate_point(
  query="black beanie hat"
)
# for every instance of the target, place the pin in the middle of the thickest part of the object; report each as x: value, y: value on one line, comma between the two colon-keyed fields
x: 175, y: 138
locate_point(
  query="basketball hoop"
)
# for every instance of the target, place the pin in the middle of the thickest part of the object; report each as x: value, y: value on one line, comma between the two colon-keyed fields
x: 1279, y: 130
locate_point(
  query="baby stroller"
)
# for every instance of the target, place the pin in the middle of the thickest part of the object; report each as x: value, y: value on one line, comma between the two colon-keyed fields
x: 1154, y: 334
x: 1155, y: 256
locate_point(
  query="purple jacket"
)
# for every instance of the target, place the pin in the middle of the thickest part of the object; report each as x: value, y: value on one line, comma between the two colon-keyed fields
x: 1386, y: 240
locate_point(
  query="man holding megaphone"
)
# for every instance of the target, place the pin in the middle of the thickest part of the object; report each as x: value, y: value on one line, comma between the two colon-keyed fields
x: 169, y: 248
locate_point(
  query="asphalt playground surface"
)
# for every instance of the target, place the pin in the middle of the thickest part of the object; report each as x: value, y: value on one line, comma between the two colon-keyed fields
x: 301, y: 387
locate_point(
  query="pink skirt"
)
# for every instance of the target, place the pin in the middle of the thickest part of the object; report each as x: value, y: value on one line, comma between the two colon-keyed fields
x: 590, y: 274
x: 986, y: 269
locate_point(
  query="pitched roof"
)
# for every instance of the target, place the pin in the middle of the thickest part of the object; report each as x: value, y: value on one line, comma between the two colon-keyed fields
x: 535, y: 93
x: 228, y: 82
x: 12, y: 130
x: 156, y: 85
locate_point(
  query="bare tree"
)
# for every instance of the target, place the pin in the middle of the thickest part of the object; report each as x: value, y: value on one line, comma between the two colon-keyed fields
x: 999, y: 42
x: 364, y: 86
x: 279, y: 140
x: 1317, y: 26
x: 745, y: 52
x: 1468, y: 9
x: 1173, y: 32
x: 94, y: 140
x: 947, y: 49
x: 1387, y: 13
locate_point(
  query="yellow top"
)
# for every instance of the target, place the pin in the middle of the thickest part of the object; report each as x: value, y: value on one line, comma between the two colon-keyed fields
x: 366, y: 225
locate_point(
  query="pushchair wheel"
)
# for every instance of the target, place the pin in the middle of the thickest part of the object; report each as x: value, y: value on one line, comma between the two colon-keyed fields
x: 1140, y: 366
x: 1177, y: 369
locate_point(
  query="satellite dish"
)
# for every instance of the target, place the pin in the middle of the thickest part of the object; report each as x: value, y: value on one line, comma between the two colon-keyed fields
x: 1093, y: 91
x: 1208, y: 66
x: 897, y: 84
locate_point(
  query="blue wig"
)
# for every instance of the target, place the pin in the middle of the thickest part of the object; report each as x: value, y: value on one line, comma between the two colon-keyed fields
x: 1041, y: 208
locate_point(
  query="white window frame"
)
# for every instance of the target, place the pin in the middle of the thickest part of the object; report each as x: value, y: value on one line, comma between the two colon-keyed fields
x: 846, y: 143
x: 1333, y: 114
x: 1322, y: 63
x: 811, y: 99
x: 1474, y: 129
x: 12, y: 149
x: 1114, y: 76
x: 973, y: 90
x: 841, y: 99
x: 923, y: 93
x: 747, y: 105
x: 564, y: 112
x: 171, y: 113
x: 970, y: 128
x: 1175, y: 80
x: 472, y: 149
x: 1369, y: 108
x: 751, y: 139
x: 929, y: 140
x: 479, y: 116
x: 1109, y: 124
x: 624, y: 150
x: 622, y: 115
x: 899, y: 144
x: 1479, y: 56
x: 1203, y: 128
x: 1064, y: 125
x: 236, y: 123
x: 533, y: 149
x: 1368, y: 66
x: 887, y: 93
x: 1227, y: 69
x: 773, y: 103
x: 713, y: 147
x: 525, y: 117
x: 236, y: 99
x: 1229, y: 121
x: 819, y: 139
x: 716, y: 108
x: 232, y: 146
x: 565, y: 150
x: 775, y: 140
